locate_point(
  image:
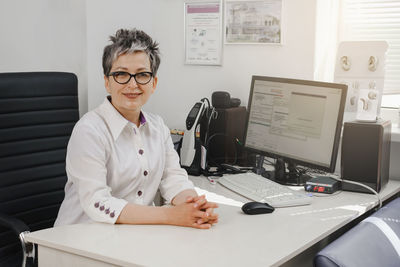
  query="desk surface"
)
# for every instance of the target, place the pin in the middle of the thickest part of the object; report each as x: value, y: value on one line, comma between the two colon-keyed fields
x: 237, y: 240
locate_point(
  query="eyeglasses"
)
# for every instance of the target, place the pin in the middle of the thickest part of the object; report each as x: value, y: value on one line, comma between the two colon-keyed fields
x: 123, y: 77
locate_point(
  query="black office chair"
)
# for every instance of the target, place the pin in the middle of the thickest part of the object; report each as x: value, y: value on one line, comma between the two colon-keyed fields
x: 38, y: 111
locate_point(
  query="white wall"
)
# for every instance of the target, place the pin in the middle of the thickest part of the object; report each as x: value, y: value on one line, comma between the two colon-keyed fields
x: 45, y: 35
x: 103, y: 18
x: 180, y: 86
x: 69, y: 35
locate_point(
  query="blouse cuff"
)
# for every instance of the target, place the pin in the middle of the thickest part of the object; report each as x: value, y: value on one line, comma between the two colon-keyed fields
x: 106, y: 210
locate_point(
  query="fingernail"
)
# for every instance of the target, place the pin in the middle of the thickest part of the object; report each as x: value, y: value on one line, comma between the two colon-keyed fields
x: 207, y: 214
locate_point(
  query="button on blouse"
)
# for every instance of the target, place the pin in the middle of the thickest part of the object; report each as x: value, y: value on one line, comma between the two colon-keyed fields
x: 104, y: 172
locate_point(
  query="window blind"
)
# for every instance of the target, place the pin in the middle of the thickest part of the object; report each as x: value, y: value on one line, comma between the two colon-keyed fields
x: 367, y: 20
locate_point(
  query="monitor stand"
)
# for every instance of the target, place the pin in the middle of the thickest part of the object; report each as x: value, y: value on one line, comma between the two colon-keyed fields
x: 259, y: 169
x: 280, y: 175
x: 290, y: 177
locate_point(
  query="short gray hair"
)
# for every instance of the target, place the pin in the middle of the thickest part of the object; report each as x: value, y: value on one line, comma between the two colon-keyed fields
x: 131, y: 41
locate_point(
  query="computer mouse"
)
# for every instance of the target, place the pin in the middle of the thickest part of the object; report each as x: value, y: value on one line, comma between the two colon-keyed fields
x: 253, y: 208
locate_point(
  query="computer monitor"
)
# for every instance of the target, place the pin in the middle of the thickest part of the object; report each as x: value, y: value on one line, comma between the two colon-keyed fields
x: 296, y: 122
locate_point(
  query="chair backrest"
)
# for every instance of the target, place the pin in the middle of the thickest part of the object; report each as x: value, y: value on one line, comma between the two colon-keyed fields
x: 38, y: 111
x: 373, y: 242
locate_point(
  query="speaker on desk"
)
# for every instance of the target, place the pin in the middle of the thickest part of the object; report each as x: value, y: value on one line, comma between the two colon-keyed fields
x: 223, y: 131
x: 365, y: 154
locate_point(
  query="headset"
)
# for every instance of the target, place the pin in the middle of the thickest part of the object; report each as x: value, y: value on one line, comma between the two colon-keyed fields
x: 191, y: 155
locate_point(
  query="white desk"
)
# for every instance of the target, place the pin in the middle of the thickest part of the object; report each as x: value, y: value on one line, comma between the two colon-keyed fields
x: 237, y: 240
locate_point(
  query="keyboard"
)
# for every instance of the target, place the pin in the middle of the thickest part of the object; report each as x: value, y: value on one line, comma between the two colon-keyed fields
x: 258, y: 188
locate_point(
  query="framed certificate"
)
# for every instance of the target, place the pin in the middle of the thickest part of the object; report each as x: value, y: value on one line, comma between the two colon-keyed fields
x: 203, y: 33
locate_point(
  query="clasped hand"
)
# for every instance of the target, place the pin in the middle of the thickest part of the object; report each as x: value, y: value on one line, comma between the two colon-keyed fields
x: 197, y: 212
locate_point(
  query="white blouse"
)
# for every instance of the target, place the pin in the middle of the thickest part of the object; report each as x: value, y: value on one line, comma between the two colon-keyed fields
x: 110, y: 162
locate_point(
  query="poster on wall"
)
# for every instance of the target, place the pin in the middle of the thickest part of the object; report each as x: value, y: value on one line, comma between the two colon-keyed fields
x: 203, y: 33
x: 253, y: 22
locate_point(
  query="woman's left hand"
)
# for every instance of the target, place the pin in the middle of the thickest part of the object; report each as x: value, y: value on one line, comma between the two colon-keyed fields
x: 202, y: 204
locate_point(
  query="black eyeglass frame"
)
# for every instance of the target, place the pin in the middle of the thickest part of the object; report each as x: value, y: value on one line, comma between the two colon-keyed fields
x: 131, y: 75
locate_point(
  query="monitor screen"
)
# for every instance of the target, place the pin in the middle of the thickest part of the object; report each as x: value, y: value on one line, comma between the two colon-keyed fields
x: 297, y: 120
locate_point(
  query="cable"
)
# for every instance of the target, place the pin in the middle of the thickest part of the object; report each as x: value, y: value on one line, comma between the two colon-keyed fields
x: 366, y: 187
x: 213, y: 115
x: 212, y: 136
x: 336, y: 177
x: 362, y: 185
x: 208, y: 101
x: 313, y: 171
x: 316, y: 194
x: 209, y: 116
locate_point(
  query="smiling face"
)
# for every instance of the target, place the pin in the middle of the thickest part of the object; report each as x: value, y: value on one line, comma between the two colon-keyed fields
x: 129, y: 98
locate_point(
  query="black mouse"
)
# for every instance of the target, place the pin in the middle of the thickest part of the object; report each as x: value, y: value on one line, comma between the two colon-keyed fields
x: 257, y: 208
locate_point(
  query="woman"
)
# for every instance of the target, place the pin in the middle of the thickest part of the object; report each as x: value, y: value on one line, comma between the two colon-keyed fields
x: 118, y: 155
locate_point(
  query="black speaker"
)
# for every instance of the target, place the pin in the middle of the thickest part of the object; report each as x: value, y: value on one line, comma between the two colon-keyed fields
x: 365, y: 156
x: 223, y: 132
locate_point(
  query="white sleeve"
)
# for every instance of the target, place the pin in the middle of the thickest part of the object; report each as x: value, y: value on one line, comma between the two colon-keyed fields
x: 86, y: 168
x: 175, y: 179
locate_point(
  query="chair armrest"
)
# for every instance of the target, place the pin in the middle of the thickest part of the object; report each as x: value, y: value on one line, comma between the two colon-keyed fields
x: 13, y: 223
x: 20, y: 229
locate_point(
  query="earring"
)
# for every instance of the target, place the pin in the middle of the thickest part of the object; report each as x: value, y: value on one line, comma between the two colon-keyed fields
x: 372, y: 63
x: 346, y: 63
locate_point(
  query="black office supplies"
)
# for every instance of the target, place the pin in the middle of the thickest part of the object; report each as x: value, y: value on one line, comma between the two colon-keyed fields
x: 232, y: 169
x: 235, y: 102
x: 322, y: 184
x: 253, y: 208
x: 222, y: 99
